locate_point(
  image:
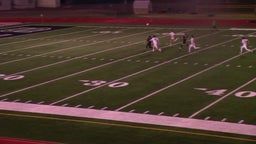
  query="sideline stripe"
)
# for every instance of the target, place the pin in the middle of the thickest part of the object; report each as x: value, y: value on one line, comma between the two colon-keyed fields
x: 132, y: 126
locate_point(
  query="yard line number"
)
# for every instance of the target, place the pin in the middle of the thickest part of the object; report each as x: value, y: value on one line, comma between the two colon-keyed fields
x: 10, y: 77
x: 95, y: 83
x: 220, y: 92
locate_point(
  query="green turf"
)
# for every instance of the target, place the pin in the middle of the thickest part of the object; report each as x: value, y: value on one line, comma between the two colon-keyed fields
x: 55, y: 62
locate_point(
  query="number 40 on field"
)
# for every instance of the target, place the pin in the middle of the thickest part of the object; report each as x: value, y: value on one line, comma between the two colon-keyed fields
x: 221, y: 92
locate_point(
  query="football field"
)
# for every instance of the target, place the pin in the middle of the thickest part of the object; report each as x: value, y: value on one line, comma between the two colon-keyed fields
x: 100, y: 84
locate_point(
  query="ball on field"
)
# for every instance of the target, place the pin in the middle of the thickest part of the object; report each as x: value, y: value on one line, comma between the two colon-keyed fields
x: 147, y: 24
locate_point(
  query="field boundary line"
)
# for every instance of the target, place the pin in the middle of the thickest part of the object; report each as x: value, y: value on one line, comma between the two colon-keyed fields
x: 223, y: 97
x: 216, y: 126
x: 60, y: 50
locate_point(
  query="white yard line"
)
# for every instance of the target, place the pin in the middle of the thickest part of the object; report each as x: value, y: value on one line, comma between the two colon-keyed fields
x: 64, y: 49
x: 161, y: 120
x: 70, y: 75
x: 79, y: 57
x: 178, y: 82
x: 222, y: 98
x: 43, y: 38
x: 142, y: 71
x: 60, y: 62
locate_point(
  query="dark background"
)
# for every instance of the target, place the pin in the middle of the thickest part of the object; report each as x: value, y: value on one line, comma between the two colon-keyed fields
x: 130, y: 1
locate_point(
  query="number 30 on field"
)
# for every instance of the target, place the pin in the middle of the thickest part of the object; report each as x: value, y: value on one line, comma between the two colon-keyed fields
x: 102, y: 82
x: 10, y: 77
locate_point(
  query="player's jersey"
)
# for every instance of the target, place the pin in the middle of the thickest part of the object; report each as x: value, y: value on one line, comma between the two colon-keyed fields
x: 149, y: 38
x: 192, y: 40
x: 184, y: 39
x: 244, y: 41
x: 172, y: 35
x: 155, y: 40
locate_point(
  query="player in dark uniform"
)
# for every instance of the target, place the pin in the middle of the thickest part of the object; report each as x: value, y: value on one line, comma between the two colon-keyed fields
x: 184, y: 40
x: 149, y: 43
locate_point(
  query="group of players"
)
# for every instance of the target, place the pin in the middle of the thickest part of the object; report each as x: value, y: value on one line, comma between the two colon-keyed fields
x: 153, y: 42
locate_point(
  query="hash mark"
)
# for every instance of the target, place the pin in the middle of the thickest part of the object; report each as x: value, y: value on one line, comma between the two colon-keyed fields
x: 202, y: 89
x: 161, y: 113
x: 207, y: 118
x: 131, y: 111
x: 41, y: 102
x: 175, y: 115
x: 78, y: 106
x: 224, y: 119
x: 16, y: 100
x: 28, y: 101
x: 241, y: 121
x: 90, y: 107
x: 104, y: 108
x: 4, y: 99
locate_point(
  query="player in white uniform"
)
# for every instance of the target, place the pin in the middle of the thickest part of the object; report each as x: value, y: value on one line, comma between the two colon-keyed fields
x: 192, y: 44
x: 155, y: 42
x: 245, y: 42
x: 172, y: 38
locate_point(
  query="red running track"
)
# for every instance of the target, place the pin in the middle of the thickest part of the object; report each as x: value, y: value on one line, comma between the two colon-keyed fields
x: 137, y: 21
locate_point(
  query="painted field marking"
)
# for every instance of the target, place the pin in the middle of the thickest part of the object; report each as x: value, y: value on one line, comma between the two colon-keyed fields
x: 215, y: 126
x: 83, y: 56
x: 71, y: 59
x: 132, y: 127
x: 244, y: 29
x: 89, y: 69
x: 142, y: 71
x: 53, y: 80
x: 178, y: 82
x: 36, y: 46
x: 223, y: 97
x: 44, y: 37
x: 79, y: 57
x: 64, y: 49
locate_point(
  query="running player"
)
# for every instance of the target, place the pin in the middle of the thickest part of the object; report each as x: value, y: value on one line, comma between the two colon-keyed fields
x: 172, y: 38
x: 192, y: 44
x: 245, y: 42
x: 214, y: 25
x: 155, y: 42
x: 184, y: 40
x: 149, y: 43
